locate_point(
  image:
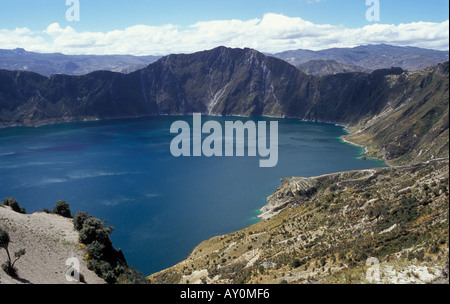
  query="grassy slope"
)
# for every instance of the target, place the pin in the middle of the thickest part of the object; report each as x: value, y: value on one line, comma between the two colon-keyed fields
x: 414, y: 126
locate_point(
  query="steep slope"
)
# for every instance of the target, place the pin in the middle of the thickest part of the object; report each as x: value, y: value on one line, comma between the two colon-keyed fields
x: 221, y: 81
x: 328, y: 229
x: 49, y: 240
x: 414, y: 125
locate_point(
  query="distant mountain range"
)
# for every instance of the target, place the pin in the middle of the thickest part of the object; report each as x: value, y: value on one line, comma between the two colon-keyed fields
x: 317, y: 63
x: 56, y: 63
x: 371, y: 57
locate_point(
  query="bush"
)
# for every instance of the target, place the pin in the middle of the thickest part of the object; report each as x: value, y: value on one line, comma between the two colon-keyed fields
x: 62, y: 208
x: 79, y: 220
x: 95, y: 250
x: 106, y: 261
x: 4, y: 239
x: 91, y: 229
x: 297, y: 263
x: 14, y: 204
x: 94, y: 230
x: 8, y: 266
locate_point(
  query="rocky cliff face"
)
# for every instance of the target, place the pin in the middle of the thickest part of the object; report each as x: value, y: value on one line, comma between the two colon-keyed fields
x: 221, y: 81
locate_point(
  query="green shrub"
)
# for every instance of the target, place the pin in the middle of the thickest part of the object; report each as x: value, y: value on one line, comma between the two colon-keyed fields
x: 62, y: 208
x: 4, y: 239
x: 95, y: 250
x: 106, y: 261
x: 8, y: 266
x: 91, y: 229
x: 79, y: 220
x: 132, y: 276
x: 14, y: 204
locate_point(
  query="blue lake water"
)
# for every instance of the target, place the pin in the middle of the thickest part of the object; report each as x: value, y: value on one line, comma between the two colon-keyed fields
x: 161, y: 206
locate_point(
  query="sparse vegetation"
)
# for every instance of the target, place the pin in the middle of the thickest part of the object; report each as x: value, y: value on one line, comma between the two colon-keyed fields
x: 8, y: 266
x: 14, y: 204
x: 328, y: 235
x: 106, y: 261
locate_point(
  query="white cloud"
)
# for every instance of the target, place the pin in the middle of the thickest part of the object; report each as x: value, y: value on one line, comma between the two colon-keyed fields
x: 273, y: 33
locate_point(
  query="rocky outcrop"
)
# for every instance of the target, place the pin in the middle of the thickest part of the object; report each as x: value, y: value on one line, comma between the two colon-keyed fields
x: 292, y: 191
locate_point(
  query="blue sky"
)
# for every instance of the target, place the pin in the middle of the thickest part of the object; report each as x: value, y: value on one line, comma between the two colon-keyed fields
x: 42, y: 24
x: 103, y: 15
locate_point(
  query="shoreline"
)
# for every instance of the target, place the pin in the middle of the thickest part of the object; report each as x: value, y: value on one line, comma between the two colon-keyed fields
x: 366, y: 151
x: 58, y: 121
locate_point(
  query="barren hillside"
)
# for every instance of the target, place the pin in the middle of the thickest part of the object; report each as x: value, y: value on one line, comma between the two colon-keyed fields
x: 49, y: 240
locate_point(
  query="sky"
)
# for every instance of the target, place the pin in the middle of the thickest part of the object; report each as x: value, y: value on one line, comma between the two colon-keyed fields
x: 148, y: 27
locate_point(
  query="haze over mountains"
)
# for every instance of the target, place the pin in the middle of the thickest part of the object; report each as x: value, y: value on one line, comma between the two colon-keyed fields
x: 57, y: 63
x: 371, y: 57
x: 318, y: 63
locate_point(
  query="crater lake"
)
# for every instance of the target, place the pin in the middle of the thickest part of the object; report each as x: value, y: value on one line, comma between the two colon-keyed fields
x: 161, y: 206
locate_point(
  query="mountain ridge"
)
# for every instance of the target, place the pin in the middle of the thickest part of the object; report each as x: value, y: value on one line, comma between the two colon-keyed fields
x: 48, y: 64
x: 238, y: 82
x: 367, y: 57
